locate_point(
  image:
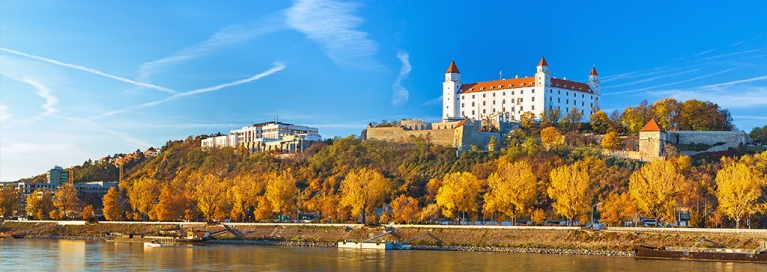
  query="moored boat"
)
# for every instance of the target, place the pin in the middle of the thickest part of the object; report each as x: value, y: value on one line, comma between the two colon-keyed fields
x: 18, y: 235
x: 703, y: 254
x: 153, y: 244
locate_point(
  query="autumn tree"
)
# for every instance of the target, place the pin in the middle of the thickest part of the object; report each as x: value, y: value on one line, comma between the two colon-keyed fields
x: 599, y: 122
x: 459, y: 193
x: 511, y: 189
x: 572, y: 120
x: 9, y: 200
x: 363, y: 190
x: 618, y: 208
x: 210, y: 195
x: 654, y: 188
x: 492, y: 145
x: 759, y: 134
x: 40, y: 204
x: 281, y: 192
x: 143, y: 194
x: 551, y: 136
x: 88, y: 213
x: 738, y: 189
x: 571, y: 189
x: 111, y: 202
x: 405, y: 209
x: 666, y: 113
x: 244, y: 194
x: 171, y: 204
x: 611, y: 141
x: 632, y: 120
x: 66, y: 201
x: 527, y: 120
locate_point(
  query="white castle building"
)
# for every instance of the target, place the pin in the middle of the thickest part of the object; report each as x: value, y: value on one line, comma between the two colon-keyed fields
x: 509, y: 98
x: 267, y: 136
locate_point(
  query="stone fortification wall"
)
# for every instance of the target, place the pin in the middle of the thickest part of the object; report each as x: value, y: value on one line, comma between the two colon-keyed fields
x: 730, y: 138
x: 468, y: 134
x: 414, y: 124
x: 398, y: 134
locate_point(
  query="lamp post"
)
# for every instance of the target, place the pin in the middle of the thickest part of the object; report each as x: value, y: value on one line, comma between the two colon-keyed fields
x: 593, y: 207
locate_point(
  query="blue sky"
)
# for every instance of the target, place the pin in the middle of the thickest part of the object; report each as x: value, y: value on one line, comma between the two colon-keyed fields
x: 83, y: 79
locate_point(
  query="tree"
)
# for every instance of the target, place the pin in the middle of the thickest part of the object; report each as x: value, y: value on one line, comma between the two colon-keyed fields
x: 538, y: 217
x: 9, y: 200
x: 599, y: 122
x: 654, y: 188
x: 759, y: 134
x: 527, y: 120
x: 611, y: 141
x: 632, y: 120
x: 511, y: 189
x: 572, y: 120
x: 363, y: 190
x: 171, y: 205
x: 552, y: 115
x: 88, y: 213
x: 738, y: 188
x: 281, y: 192
x: 571, y: 189
x: 492, y: 144
x: 66, y: 201
x: 210, y: 195
x: 405, y: 209
x: 111, y: 200
x: 143, y: 194
x: 40, y: 204
x: 618, y: 208
x: 459, y: 193
x: 666, y: 113
x: 551, y: 135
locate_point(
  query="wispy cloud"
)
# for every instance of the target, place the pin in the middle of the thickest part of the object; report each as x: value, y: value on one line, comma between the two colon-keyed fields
x: 89, y: 70
x: 732, y: 54
x: 5, y: 114
x: 333, y: 25
x: 224, y: 37
x: 671, y: 83
x: 277, y: 66
x: 749, y: 96
x: 401, y: 94
x: 737, y: 43
x: 652, y: 78
x: 43, y: 91
x: 435, y: 101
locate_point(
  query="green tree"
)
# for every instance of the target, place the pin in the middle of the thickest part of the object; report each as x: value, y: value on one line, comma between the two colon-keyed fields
x: 759, y: 134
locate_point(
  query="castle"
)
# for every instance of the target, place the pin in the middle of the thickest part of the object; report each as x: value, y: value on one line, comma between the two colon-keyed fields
x: 509, y: 98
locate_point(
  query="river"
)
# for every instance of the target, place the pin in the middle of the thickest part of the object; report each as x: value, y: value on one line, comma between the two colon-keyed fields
x: 75, y: 255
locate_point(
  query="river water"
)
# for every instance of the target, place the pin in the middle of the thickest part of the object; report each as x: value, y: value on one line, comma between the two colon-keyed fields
x: 74, y: 255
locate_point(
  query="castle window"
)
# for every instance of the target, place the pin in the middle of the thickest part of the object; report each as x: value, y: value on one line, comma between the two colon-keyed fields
x: 462, y: 105
x: 533, y: 90
x: 582, y: 104
x: 503, y: 93
x: 565, y: 86
x: 580, y: 89
x: 551, y: 90
x: 493, y: 102
x: 530, y: 83
x: 567, y: 93
x: 485, y: 95
x: 493, y: 109
x: 550, y: 98
x: 567, y: 101
x: 533, y: 107
x: 491, y: 87
x: 494, y: 93
x: 533, y: 98
x: 592, y: 105
x: 523, y: 84
x: 482, y: 88
x: 472, y: 104
x: 484, y: 111
x: 483, y: 103
x: 557, y: 85
x: 512, y: 92
x: 575, y: 103
x: 472, y: 112
x: 500, y: 87
x: 462, y: 97
x: 583, y: 96
x: 559, y: 100
x: 512, y: 109
x: 521, y: 108
x: 472, y: 96
x: 463, y: 113
x: 521, y: 92
x: 503, y: 101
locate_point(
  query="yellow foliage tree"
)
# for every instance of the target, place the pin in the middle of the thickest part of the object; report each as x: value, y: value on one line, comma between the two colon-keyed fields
x: 511, y: 189
x: 429, y: 213
x: 88, y: 213
x: 527, y: 120
x: 459, y: 193
x: 654, y: 188
x: 618, y: 208
x: 66, y: 201
x: 9, y: 200
x: 143, y: 194
x: 172, y: 204
x: 363, y: 190
x: 738, y: 189
x: 611, y: 141
x: 599, y: 122
x: 40, y: 203
x: 551, y: 135
x: 571, y: 189
x: 405, y: 209
x: 244, y: 194
x: 111, y: 201
x: 281, y: 192
x: 538, y: 216
x: 210, y: 196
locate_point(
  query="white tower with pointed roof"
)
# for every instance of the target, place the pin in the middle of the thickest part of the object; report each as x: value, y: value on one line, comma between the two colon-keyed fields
x: 594, y: 85
x: 450, y: 88
x: 542, y: 75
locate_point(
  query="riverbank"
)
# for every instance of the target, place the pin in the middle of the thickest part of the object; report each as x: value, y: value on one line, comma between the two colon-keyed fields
x: 466, y: 238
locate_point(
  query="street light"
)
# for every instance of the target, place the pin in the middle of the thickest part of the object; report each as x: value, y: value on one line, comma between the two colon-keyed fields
x: 593, y: 207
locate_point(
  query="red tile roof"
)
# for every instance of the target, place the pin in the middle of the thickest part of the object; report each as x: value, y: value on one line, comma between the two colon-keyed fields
x: 651, y: 126
x: 593, y: 71
x: 498, y: 85
x: 453, y: 68
x: 543, y: 62
x: 581, y: 87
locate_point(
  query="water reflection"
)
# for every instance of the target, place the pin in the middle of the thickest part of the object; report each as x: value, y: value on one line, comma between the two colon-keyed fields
x: 65, y: 255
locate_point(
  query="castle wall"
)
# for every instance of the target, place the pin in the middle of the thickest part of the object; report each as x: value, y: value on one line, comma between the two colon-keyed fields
x: 730, y: 138
x: 398, y: 134
x: 468, y: 134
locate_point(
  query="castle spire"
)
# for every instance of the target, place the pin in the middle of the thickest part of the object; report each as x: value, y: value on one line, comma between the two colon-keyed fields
x: 593, y: 71
x: 453, y: 68
x: 543, y: 62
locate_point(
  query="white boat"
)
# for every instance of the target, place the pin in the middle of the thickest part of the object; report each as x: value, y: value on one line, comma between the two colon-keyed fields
x: 373, y: 245
x: 153, y: 244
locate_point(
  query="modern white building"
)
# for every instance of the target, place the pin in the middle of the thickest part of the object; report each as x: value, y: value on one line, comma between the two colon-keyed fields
x: 267, y: 136
x: 510, y: 98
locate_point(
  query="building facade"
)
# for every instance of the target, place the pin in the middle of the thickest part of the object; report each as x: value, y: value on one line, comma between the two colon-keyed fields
x: 509, y: 98
x: 267, y: 136
x: 57, y: 176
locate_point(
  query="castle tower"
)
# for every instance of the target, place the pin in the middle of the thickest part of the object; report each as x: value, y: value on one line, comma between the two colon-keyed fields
x: 652, y: 141
x: 594, y: 80
x: 542, y: 75
x: 450, y: 88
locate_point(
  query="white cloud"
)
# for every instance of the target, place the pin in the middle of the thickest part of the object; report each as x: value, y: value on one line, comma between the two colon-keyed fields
x: 671, y: 83
x: 748, y: 96
x: 652, y: 78
x: 401, y: 94
x: 224, y: 37
x: 5, y: 114
x: 45, y: 93
x: 332, y: 25
x: 435, y: 101
x: 89, y: 70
